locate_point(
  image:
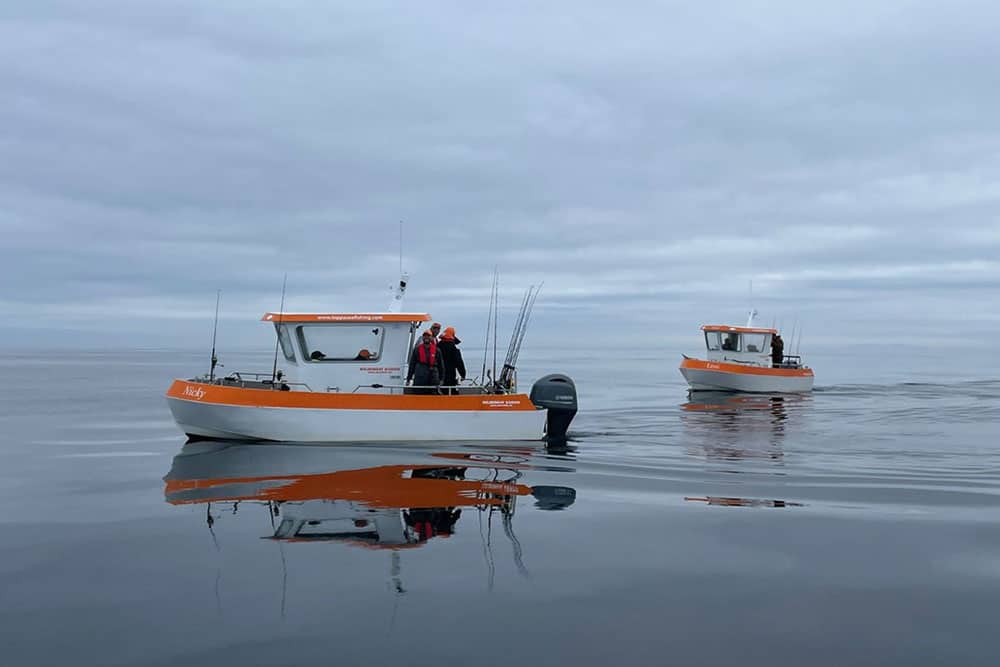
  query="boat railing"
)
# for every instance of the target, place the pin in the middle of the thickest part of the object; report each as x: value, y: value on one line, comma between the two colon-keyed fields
x: 791, y: 361
x: 244, y: 379
x: 745, y: 362
x: 430, y: 388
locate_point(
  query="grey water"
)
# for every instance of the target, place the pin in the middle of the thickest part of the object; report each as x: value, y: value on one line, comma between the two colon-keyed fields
x: 857, y: 525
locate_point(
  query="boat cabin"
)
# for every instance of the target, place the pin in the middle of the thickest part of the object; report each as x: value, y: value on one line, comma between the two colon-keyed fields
x: 345, y: 352
x: 746, y: 345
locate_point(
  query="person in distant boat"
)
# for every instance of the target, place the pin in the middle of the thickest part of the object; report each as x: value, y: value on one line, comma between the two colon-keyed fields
x: 777, y: 350
x: 317, y: 356
x: 436, y: 330
x: 363, y: 355
x: 454, y: 365
x: 729, y: 342
x: 426, y: 366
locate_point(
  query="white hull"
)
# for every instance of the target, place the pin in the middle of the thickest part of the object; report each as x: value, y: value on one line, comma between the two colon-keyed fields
x: 718, y: 380
x: 283, y: 424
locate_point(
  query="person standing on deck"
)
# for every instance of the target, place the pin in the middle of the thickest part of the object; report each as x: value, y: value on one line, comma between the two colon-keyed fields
x: 454, y: 365
x: 777, y: 350
x: 436, y: 330
x: 426, y: 365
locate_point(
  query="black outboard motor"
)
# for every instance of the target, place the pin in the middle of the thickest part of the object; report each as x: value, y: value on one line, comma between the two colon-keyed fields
x: 557, y: 393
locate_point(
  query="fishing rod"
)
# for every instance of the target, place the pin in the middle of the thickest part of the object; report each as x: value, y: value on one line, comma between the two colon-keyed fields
x: 524, y: 329
x: 518, y: 323
x: 496, y: 318
x: 489, y: 322
x: 504, y: 381
x: 215, y: 330
x: 517, y: 337
x: 277, y: 333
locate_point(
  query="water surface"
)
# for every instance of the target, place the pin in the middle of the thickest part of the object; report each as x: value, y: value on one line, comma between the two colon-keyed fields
x: 855, y: 525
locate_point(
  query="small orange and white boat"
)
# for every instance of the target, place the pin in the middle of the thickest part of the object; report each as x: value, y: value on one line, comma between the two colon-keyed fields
x: 341, y: 379
x: 739, y: 359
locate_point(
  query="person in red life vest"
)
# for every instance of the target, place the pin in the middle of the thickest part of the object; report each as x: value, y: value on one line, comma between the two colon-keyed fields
x: 426, y: 366
x: 454, y: 366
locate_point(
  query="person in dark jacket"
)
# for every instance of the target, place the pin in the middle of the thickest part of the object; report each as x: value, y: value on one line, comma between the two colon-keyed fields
x: 777, y: 350
x: 454, y: 366
x: 426, y: 366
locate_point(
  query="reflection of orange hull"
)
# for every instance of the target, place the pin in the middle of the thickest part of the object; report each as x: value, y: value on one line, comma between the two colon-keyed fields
x: 742, y: 502
x: 380, y: 487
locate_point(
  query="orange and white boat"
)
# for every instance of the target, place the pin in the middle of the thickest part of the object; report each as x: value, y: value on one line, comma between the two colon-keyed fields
x: 340, y: 377
x: 739, y: 359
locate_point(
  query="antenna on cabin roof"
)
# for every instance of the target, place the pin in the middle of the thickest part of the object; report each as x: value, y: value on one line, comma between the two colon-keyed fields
x: 398, y: 290
x: 753, y: 311
x: 215, y: 330
x: 277, y: 332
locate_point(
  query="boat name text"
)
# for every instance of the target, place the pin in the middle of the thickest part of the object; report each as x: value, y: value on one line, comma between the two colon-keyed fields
x: 196, y: 393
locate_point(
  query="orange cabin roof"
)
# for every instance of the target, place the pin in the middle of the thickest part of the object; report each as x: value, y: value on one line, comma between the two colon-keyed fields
x: 727, y: 328
x: 345, y: 317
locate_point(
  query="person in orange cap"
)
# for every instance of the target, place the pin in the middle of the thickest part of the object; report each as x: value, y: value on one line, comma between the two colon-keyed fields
x: 426, y: 366
x: 454, y: 365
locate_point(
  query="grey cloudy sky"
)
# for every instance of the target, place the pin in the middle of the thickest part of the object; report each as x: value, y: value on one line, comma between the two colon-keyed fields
x: 646, y: 160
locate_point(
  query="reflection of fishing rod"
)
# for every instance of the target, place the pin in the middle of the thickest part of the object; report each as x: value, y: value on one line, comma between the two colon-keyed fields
x: 514, y: 542
x: 215, y: 329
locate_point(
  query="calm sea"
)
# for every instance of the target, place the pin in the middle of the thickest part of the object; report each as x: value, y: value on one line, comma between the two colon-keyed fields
x: 857, y: 525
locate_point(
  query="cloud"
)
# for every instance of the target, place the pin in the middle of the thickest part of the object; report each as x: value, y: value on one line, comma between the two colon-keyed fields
x: 646, y: 162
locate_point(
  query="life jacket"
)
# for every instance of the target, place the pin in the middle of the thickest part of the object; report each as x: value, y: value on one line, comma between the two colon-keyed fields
x: 422, y: 354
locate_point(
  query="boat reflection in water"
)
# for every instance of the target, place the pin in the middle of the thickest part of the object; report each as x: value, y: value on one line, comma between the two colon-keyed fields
x: 724, y: 425
x: 326, y: 494
x: 725, y: 501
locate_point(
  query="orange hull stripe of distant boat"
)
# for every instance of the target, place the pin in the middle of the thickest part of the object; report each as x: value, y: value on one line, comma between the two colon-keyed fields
x: 213, y: 394
x: 346, y: 317
x: 741, y: 369
x: 725, y: 328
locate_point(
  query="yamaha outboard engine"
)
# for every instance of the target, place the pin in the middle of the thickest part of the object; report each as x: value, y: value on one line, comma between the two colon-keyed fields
x: 557, y: 394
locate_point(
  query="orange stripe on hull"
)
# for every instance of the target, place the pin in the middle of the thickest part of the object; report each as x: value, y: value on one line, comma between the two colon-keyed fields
x: 742, y: 369
x: 200, y: 392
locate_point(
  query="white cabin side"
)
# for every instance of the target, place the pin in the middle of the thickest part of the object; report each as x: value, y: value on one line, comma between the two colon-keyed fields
x: 742, y: 345
x: 345, y: 353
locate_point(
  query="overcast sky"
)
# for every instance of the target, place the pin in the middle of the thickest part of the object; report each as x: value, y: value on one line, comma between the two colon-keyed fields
x: 646, y: 160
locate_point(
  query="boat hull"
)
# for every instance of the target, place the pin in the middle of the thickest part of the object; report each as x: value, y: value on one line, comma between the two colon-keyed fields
x: 720, y: 376
x: 233, y: 413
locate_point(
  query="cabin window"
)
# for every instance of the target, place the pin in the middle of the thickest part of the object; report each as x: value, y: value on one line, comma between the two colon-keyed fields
x: 730, y: 341
x: 286, y: 342
x: 754, y: 342
x: 351, y: 342
x: 712, y: 340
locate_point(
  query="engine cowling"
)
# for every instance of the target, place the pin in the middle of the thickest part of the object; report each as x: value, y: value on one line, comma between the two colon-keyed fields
x: 557, y: 394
